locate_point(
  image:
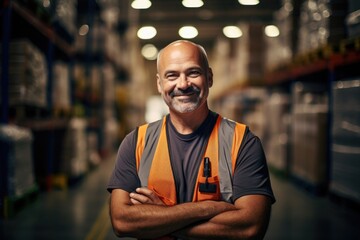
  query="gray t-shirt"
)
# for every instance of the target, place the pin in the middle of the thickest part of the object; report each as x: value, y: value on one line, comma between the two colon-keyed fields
x: 251, y: 174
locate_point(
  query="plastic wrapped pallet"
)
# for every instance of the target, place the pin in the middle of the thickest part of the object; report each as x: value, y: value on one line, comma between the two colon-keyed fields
x: 74, y: 162
x: 61, y: 95
x: 321, y: 23
x: 279, y: 49
x: 27, y: 74
x: 277, y: 141
x: 17, y: 161
x: 353, y: 19
x: 93, y: 149
x: 345, y: 177
x: 66, y: 15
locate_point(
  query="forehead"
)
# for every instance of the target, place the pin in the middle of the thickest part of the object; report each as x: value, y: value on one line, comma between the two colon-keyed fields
x: 180, y: 54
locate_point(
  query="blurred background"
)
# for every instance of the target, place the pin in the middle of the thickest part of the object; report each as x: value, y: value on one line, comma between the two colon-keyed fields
x: 78, y: 75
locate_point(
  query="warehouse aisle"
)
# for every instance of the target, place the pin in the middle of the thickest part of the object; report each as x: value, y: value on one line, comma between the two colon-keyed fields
x: 81, y: 213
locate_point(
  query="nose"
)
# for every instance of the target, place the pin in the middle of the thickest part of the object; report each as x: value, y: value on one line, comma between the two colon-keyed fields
x: 183, y: 83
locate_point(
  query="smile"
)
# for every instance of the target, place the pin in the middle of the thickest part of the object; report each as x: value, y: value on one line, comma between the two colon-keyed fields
x: 185, y: 96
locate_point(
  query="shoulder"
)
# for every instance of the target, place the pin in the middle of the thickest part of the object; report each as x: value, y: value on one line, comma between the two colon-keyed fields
x: 231, y: 122
x: 148, y: 130
x: 129, y: 139
x: 230, y: 126
x: 244, y: 136
x: 139, y: 132
x: 251, y: 147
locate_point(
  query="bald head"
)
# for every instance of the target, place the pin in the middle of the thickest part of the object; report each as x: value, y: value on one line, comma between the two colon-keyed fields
x: 181, y: 44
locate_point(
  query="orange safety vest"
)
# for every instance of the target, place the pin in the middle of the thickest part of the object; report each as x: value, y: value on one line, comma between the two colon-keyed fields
x: 154, y: 167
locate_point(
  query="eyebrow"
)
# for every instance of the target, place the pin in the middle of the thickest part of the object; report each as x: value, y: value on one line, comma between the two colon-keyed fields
x: 169, y: 71
x: 195, y: 68
x: 200, y: 69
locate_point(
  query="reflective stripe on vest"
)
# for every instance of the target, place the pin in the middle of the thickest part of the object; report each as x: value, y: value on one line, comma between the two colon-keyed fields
x: 154, y: 167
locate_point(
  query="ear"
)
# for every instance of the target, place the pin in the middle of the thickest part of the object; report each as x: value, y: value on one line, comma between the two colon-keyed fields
x: 210, y: 77
x: 158, y: 83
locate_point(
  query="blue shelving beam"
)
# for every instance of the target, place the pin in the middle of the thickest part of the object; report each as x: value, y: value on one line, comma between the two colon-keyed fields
x: 4, y: 118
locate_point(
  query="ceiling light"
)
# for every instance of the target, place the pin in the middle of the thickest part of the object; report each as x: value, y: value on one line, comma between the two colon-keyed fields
x: 46, y: 3
x: 146, y: 32
x: 141, y: 4
x: 272, y: 31
x: 149, y: 51
x: 188, y: 32
x: 83, y: 30
x: 249, y: 2
x: 232, y: 31
x: 192, y: 3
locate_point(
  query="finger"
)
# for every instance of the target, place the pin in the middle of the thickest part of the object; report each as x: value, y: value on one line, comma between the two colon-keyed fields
x: 150, y: 194
x: 140, y: 197
x: 145, y: 191
x: 135, y: 202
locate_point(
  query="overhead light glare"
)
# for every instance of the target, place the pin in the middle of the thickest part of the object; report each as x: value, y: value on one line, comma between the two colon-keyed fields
x: 272, y: 31
x: 188, y: 32
x: 149, y: 51
x: 249, y: 2
x: 192, y: 3
x: 141, y: 4
x: 232, y: 32
x: 146, y: 32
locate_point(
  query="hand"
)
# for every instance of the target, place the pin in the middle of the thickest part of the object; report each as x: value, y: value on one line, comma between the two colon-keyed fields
x: 144, y: 195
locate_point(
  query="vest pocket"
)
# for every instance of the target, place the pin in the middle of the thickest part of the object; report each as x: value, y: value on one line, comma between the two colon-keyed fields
x: 208, y: 189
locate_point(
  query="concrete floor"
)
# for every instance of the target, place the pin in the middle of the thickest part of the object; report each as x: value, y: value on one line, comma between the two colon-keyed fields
x: 80, y: 212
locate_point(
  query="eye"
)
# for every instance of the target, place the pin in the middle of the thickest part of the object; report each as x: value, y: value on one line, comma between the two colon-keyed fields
x: 171, y: 76
x: 194, y: 73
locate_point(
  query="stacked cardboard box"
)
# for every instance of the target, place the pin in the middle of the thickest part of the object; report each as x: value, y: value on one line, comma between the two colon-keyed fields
x: 310, y: 135
x: 257, y: 49
x: 309, y: 153
x: 345, y: 158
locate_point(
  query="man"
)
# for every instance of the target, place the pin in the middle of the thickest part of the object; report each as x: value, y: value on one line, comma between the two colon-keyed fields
x: 193, y: 174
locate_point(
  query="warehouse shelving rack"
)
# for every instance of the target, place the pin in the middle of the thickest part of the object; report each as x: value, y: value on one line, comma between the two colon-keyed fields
x: 48, y: 123
x: 324, y: 66
x: 20, y: 22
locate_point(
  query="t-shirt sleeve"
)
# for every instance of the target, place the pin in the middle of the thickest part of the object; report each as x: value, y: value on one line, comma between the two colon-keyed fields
x: 124, y: 175
x: 251, y: 174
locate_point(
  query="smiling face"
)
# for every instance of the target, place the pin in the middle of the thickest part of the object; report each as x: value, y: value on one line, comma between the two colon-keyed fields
x: 184, y: 77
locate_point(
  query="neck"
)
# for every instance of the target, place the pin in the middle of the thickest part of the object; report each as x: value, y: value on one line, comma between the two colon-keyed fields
x: 186, y: 123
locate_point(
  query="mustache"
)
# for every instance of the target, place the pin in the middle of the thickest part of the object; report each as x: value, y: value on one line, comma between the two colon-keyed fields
x: 187, y: 91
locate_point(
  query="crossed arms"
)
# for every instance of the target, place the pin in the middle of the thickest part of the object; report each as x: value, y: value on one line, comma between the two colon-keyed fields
x: 143, y: 215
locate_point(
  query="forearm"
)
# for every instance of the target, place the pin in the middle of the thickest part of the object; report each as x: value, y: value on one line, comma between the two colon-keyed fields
x: 223, y: 226
x: 243, y: 223
x: 151, y: 221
